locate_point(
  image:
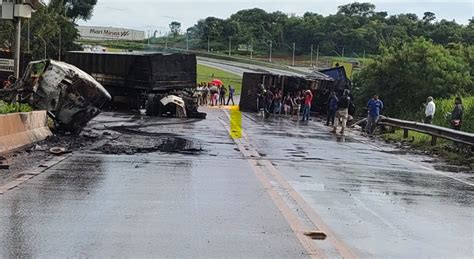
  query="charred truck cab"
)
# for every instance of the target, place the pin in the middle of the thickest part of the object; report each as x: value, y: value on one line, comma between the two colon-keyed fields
x: 71, y: 96
x: 164, y: 84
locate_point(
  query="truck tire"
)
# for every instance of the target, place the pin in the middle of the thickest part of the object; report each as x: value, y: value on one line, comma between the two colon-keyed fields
x: 150, y: 105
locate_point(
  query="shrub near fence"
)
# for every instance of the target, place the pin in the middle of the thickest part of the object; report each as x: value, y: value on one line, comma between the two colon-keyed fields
x: 11, y: 108
x: 445, y: 106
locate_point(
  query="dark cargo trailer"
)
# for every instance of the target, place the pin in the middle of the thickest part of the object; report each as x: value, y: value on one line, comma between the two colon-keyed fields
x: 143, y: 79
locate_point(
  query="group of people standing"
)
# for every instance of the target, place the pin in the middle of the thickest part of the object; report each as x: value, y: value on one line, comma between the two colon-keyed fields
x: 272, y: 100
x: 215, y: 95
x: 338, y: 110
x: 456, y: 115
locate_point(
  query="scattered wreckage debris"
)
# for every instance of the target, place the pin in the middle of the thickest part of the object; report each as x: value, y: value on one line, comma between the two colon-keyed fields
x: 316, y: 235
x: 4, y: 163
x: 71, y: 96
x: 151, y: 145
x: 57, y: 151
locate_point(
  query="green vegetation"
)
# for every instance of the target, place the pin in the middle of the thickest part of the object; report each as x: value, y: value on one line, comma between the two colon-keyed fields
x: 207, y: 74
x: 356, y: 29
x: 445, y: 106
x: 405, y: 74
x: 13, y: 107
x: 49, y: 25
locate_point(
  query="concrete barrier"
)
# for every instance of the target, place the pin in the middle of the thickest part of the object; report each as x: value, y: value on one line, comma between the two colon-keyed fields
x: 20, y: 129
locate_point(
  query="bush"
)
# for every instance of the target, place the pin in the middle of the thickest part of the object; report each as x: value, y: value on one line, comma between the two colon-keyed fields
x: 405, y: 75
x: 14, y: 107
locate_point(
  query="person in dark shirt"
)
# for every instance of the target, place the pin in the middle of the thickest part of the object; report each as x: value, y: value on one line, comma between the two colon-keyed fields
x: 222, y: 92
x: 456, y: 115
x: 342, y: 113
x: 332, y: 108
x: 231, y: 95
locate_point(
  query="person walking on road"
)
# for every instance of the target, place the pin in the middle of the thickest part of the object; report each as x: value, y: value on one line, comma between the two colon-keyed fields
x: 375, y: 106
x: 222, y: 92
x: 205, y: 95
x: 231, y: 95
x: 430, y: 110
x: 342, y: 113
x: 277, y: 103
x: 308, y: 100
x: 456, y: 115
x: 288, y: 105
x: 332, y: 108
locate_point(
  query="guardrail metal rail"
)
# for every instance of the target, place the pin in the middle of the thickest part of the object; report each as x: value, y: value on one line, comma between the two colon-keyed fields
x: 435, y: 131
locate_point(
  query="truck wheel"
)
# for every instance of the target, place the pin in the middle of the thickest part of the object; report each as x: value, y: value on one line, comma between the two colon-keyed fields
x: 150, y: 105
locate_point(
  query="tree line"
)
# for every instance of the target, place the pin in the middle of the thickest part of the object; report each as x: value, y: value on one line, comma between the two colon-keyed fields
x: 52, y: 28
x: 356, y: 28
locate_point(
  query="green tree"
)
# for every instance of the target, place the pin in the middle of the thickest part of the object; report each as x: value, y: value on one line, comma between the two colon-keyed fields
x: 75, y: 9
x: 175, y: 28
x: 405, y: 74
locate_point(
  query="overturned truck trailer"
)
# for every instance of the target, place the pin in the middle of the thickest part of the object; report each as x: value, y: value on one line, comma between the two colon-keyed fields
x: 71, y: 96
x: 164, y: 84
x: 320, y: 84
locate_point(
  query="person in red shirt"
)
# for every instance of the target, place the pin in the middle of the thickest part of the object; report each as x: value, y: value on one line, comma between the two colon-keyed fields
x: 308, y: 100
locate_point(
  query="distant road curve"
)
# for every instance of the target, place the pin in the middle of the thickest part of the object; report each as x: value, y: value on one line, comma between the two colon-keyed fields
x: 240, y: 68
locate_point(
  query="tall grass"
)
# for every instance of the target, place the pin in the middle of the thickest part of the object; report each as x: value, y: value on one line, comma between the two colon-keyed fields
x: 444, y: 108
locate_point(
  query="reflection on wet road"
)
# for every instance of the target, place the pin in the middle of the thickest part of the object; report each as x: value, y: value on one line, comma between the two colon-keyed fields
x: 208, y: 201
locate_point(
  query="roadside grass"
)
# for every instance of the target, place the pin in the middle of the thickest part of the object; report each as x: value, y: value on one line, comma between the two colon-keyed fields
x: 443, y: 148
x: 207, y: 74
x: 12, y: 108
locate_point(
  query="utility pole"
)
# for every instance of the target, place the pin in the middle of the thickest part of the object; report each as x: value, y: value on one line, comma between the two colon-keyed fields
x: 271, y: 45
x: 317, y: 54
x: 187, y: 40
x: 208, y: 43
x: 29, y: 35
x: 17, y: 44
x: 251, y: 48
x: 342, y: 53
x: 166, y: 40
x: 364, y: 54
x: 60, y: 43
x: 294, y: 45
x: 230, y: 45
x: 311, y: 55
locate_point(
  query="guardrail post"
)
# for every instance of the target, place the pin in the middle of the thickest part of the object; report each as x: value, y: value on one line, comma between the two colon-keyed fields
x: 433, y: 140
x: 405, y: 133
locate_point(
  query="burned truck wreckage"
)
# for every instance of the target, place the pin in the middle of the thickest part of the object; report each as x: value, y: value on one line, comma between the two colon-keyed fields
x: 163, y: 84
x: 71, y: 96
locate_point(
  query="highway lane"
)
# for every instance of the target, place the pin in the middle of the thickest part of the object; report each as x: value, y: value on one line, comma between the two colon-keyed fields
x: 254, y: 196
x: 240, y: 68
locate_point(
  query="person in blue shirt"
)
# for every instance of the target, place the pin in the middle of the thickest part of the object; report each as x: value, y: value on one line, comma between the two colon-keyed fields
x: 332, y: 108
x: 231, y: 95
x: 375, y: 107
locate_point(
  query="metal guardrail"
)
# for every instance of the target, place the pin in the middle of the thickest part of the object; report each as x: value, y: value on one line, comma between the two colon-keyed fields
x: 435, y: 131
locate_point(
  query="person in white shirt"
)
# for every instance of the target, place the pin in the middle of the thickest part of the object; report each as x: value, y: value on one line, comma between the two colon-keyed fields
x: 430, y: 110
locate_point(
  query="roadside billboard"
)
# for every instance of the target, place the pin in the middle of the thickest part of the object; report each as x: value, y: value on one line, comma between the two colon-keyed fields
x: 109, y: 33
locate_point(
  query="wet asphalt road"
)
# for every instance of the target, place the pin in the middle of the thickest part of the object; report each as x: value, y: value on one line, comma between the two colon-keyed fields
x: 215, y: 203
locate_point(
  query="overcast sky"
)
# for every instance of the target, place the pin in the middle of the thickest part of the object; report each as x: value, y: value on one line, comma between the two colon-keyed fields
x: 157, y: 14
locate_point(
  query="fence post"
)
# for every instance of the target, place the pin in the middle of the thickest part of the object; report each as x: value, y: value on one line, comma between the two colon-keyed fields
x: 433, y: 140
x: 405, y: 133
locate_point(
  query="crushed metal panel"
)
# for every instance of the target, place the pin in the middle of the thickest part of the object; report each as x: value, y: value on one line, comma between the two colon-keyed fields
x: 172, y: 99
x: 70, y: 94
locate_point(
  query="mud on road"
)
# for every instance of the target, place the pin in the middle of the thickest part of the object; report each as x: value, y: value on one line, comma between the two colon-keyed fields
x: 110, y: 133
